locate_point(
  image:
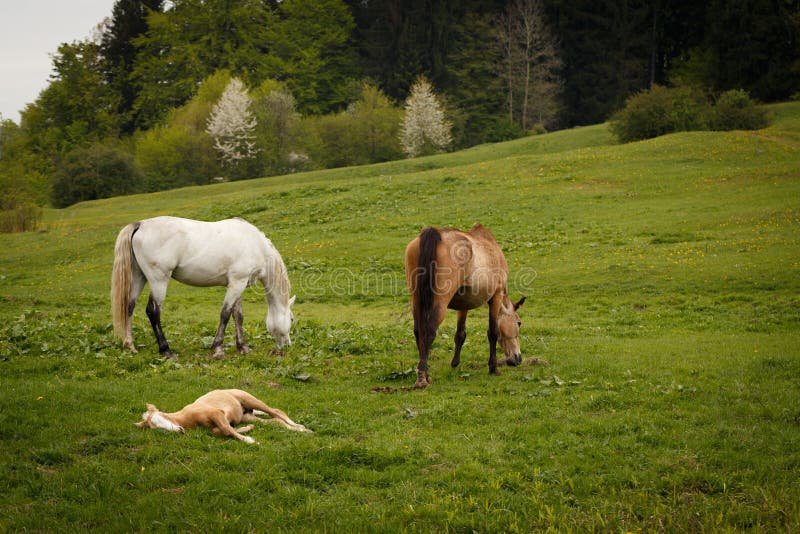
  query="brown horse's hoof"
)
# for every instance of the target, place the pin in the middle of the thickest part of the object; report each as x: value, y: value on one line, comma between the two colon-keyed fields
x: 245, y: 349
x: 218, y: 354
x: 423, y: 380
x: 494, y: 372
x: 169, y: 355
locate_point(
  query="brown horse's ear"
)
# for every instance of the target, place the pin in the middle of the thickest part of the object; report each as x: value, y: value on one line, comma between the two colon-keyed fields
x: 518, y: 304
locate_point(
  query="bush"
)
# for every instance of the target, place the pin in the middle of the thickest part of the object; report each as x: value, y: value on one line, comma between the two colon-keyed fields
x: 175, y: 156
x: 18, y: 213
x: 660, y: 111
x: 366, y: 133
x: 735, y: 110
x: 98, y: 171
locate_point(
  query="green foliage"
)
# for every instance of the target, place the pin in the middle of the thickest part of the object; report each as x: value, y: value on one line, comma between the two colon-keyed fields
x: 18, y: 213
x: 310, y: 49
x: 170, y: 157
x: 659, y: 111
x: 98, y: 171
x: 735, y: 110
x: 277, y: 124
x: 667, y: 110
x: 669, y: 402
x: 190, y: 41
x: 118, y: 51
x: 366, y: 133
x: 76, y: 109
x: 180, y: 152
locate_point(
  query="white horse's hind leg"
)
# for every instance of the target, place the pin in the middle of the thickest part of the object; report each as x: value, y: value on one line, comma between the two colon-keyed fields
x: 137, y: 284
x: 232, y: 295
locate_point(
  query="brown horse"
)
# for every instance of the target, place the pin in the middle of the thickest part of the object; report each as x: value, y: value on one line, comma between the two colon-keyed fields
x: 448, y: 268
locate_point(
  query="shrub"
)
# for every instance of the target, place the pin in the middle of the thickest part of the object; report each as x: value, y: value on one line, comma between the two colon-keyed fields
x: 659, y: 111
x: 735, y: 110
x: 366, y: 133
x: 18, y: 213
x: 175, y: 156
x: 98, y: 171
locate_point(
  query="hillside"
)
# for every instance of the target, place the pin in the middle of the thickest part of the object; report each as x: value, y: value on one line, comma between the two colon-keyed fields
x: 662, y: 283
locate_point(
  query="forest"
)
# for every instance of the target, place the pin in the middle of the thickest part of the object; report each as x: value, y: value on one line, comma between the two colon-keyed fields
x: 187, y: 92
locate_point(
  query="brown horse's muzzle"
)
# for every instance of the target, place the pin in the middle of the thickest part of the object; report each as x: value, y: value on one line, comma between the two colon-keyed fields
x: 514, y: 360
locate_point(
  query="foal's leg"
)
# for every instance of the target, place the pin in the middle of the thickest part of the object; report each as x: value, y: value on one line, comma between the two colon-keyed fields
x: 494, y: 312
x: 223, y: 426
x: 461, y: 335
x: 233, y: 294
x: 158, y: 291
x: 238, y: 317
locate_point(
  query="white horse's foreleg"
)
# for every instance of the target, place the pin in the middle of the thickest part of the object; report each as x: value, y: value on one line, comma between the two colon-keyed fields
x: 232, y: 295
x: 238, y: 317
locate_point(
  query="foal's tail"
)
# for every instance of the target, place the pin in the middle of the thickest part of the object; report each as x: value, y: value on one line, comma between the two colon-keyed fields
x: 121, y: 276
x: 426, y: 271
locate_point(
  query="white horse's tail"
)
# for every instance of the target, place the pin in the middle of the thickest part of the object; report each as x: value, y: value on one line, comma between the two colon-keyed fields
x: 121, y: 279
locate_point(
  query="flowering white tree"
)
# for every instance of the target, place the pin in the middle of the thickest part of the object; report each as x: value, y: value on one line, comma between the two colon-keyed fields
x: 424, y: 127
x: 232, y: 125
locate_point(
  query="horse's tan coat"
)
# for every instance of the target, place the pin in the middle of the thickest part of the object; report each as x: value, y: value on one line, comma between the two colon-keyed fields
x: 469, y: 270
x: 219, y: 410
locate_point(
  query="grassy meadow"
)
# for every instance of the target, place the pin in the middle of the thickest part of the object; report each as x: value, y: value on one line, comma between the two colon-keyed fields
x: 663, y: 284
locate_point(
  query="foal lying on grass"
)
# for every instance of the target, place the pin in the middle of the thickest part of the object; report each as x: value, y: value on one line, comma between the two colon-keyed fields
x: 219, y: 410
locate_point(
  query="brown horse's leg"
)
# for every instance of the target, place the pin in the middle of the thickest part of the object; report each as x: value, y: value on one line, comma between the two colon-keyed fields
x: 425, y: 334
x: 424, y: 343
x: 494, y: 311
x: 461, y: 335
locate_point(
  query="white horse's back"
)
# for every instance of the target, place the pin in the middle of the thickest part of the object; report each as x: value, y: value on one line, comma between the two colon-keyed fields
x: 202, y: 253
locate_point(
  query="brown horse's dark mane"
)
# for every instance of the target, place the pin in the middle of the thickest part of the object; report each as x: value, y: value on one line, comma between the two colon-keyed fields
x: 429, y: 240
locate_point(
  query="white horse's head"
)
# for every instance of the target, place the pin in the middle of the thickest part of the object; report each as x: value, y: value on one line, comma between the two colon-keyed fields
x: 279, y: 323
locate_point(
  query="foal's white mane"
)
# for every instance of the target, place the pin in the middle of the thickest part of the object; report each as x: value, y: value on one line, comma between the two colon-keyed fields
x: 161, y: 421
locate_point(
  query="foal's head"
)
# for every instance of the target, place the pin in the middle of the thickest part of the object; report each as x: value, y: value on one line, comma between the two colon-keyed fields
x: 153, y: 418
x: 508, y: 324
x: 279, y: 323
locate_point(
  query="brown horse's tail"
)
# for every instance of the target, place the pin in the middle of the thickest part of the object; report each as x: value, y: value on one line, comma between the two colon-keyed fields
x: 121, y: 276
x: 429, y: 241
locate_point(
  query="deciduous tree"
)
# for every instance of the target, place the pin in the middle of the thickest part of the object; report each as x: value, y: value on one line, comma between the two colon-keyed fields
x: 531, y: 64
x: 232, y: 125
x: 424, y: 128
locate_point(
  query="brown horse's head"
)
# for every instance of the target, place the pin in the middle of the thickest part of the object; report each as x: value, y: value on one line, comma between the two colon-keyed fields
x: 508, y: 324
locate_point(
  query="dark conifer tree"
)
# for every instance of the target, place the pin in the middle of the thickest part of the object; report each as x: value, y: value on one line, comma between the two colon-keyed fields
x: 128, y: 21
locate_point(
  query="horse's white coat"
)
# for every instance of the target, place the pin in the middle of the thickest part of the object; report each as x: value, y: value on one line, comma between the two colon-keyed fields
x: 231, y: 253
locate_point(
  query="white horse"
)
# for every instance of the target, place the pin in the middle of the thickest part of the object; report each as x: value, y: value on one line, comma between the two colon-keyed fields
x: 231, y: 253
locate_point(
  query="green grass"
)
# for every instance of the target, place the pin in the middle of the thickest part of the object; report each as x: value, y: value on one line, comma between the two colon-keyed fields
x: 663, y: 290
